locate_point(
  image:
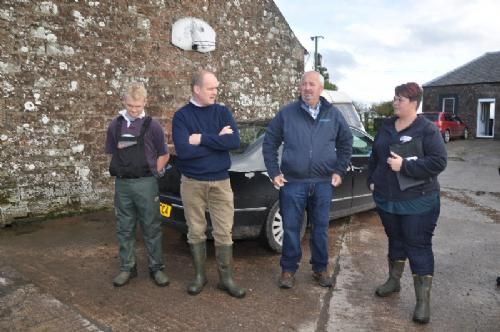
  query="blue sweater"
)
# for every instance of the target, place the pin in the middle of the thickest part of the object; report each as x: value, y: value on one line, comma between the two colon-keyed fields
x: 210, y: 160
x: 426, y: 168
x: 313, y: 149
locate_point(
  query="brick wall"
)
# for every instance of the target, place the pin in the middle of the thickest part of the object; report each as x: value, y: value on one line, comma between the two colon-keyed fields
x: 467, y: 97
x: 63, y: 64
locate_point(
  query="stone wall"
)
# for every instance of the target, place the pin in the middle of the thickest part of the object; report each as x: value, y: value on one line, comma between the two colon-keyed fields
x: 467, y: 97
x: 64, y: 63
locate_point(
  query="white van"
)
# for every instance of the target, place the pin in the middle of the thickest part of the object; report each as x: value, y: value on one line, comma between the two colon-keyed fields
x: 344, y: 103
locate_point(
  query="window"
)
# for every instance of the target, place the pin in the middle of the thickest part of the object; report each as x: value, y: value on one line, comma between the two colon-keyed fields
x: 249, y: 133
x: 350, y: 114
x: 457, y: 119
x: 361, y: 144
x: 448, y: 105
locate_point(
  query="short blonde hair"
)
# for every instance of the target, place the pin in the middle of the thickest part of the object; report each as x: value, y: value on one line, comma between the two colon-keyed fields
x: 136, y: 91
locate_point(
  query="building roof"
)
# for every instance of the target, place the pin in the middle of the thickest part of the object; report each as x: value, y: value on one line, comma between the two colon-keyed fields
x: 485, y: 69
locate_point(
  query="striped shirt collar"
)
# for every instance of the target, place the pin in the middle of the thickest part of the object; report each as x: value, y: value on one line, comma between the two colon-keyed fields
x: 313, y: 111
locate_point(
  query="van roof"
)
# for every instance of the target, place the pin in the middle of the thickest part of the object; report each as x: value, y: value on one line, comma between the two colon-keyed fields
x: 336, y: 96
x: 344, y: 104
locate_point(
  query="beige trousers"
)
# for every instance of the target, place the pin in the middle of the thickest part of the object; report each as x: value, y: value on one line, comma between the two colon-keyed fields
x: 217, y: 197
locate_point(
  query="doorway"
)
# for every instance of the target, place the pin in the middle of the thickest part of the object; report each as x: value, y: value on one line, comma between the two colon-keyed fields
x: 485, y: 118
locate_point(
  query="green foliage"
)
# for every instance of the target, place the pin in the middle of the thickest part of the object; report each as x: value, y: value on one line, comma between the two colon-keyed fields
x: 328, y: 85
x: 384, y: 108
x: 371, y: 130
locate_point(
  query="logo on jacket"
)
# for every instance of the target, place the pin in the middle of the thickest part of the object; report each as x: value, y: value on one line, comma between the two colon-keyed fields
x: 405, y: 139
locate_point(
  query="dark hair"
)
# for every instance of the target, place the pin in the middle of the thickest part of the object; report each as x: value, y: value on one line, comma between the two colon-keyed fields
x: 410, y: 90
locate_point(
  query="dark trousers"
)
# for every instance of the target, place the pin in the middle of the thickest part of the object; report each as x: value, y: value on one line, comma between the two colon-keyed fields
x: 294, y: 199
x: 136, y: 202
x: 410, y: 236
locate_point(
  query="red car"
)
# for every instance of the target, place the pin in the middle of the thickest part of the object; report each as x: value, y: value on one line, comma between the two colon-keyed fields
x: 450, y: 125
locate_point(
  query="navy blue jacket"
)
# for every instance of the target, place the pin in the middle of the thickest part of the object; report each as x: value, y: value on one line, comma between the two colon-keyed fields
x: 425, y: 168
x: 313, y: 149
x: 210, y: 160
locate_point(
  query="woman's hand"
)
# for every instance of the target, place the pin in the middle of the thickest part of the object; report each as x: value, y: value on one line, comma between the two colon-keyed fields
x: 395, y: 162
x: 372, y: 186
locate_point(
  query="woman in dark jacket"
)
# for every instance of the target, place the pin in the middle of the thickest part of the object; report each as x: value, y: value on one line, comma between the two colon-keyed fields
x: 408, y: 154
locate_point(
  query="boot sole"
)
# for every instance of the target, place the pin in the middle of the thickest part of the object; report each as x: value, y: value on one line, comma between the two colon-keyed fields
x: 421, y: 321
x: 238, y: 296
x: 190, y: 292
x: 387, y: 294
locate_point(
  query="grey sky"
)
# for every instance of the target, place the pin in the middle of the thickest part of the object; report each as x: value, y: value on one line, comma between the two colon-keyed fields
x: 369, y: 47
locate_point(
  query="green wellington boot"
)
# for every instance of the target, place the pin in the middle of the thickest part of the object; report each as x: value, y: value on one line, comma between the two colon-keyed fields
x: 392, y: 284
x: 423, y: 286
x: 199, y: 252
x: 224, y: 256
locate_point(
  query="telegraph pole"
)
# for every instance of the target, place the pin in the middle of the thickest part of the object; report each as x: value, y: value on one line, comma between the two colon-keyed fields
x: 315, y: 38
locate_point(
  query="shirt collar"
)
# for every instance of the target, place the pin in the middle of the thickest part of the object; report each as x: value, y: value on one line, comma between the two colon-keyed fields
x: 130, y: 119
x: 313, y: 111
x: 192, y: 101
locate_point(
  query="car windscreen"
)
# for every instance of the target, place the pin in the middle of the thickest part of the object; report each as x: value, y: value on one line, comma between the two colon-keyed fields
x: 350, y: 114
x: 249, y: 132
x: 431, y: 116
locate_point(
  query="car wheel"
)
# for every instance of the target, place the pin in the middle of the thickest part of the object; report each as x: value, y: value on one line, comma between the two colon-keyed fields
x: 273, y: 229
x: 446, y: 136
x: 466, y: 133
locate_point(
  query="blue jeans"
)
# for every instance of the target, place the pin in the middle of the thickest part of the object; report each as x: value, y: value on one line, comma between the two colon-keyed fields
x: 410, y: 236
x: 295, y: 197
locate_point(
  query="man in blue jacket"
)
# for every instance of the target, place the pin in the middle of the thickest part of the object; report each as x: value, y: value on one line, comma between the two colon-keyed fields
x: 317, y: 147
x: 203, y: 133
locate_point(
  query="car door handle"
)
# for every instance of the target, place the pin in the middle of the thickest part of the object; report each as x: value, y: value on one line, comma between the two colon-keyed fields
x: 357, y: 169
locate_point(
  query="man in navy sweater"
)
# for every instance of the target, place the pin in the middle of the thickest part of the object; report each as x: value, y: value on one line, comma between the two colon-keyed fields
x: 203, y: 133
x: 317, y: 147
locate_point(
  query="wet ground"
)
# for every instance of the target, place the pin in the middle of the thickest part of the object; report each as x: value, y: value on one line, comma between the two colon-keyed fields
x: 56, y: 275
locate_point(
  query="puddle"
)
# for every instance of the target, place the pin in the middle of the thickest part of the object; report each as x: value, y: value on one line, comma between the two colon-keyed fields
x: 21, y: 228
x: 463, y: 199
x: 455, y: 158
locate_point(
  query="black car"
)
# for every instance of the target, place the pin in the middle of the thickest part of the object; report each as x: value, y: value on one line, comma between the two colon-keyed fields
x: 256, y: 199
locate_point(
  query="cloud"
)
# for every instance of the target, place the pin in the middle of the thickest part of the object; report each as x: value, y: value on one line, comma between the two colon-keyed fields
x: 335, y: 61
x: 371, y: 46
x: 341, y: 59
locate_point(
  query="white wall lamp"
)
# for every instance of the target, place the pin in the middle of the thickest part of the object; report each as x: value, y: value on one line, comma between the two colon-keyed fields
x: 193, y: 34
